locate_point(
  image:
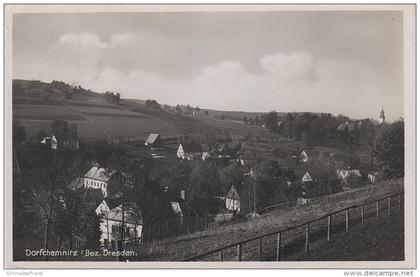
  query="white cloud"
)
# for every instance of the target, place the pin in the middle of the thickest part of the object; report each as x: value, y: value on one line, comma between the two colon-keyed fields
x: 87, y: 39
x: 288, y: 82
x: 296, y: 64
x: 83, y: 39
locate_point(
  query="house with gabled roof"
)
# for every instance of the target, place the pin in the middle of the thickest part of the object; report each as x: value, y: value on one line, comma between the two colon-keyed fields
x: 97, y: 178
x: 239, y: 199
x: 304, y: 157
x: 348, y: 177
x: 113, y: 216
x: 189, y: 151
x: 306, y: 178
x: 154, y: 141
x: 233, y: 202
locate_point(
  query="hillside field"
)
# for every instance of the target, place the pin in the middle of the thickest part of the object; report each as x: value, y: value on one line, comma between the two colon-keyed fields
x: 36, y: 105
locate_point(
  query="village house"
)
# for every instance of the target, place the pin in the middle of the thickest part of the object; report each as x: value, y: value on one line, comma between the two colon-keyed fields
x: 239, y: 201
x: 304, y: 157
x: 51, y: 140
x: 373, y: 177
x: 69, y: 143
x: 224, y: 151
x: 205, y: 156
x: 176, y: 208
x: 154, y: 141
x: 307, y: 189
x: 111, y: 219
x: 348, y: 127
x: 348, y: 177
x: 189, y: 151
x: 97, y: 178
x: 306, y: 178
x: 308, y: 155
x: 233, y: 202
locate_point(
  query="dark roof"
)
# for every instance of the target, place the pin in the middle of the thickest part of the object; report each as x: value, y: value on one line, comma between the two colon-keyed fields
x: 192, y: 147
x: 232, y: 194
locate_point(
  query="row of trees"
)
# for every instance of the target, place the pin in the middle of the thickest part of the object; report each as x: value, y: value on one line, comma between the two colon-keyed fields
x: 113, y: 98
x: 152, y: 104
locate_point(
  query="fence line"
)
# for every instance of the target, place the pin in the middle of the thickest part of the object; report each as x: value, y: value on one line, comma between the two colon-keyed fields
x: 328, y: 197
x: 307, y: 224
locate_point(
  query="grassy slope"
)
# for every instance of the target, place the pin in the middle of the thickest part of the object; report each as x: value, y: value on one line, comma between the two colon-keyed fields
x: 189, y: 245
x: 383, y: 241
x: 98, y: 119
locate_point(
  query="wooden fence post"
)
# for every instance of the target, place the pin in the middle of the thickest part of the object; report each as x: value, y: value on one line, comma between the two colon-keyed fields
x: 260, y: 248
x: 377, y: 210
x: 196, y: 226
x: 399, y: 201
x: 307, y: 238
x: 362, y: 209
x: 205, y: 222
x: 238, y: 252
x: 221, y: 255
x: 347, y: 220
x: 389, y: 206
x: 329, y: 229
x: 278, y: 246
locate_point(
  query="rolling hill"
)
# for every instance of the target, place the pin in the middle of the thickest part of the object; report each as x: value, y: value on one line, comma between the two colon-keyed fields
x: 37, y: 104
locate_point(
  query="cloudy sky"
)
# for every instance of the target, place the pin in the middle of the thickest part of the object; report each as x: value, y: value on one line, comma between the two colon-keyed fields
x: 339, y: 62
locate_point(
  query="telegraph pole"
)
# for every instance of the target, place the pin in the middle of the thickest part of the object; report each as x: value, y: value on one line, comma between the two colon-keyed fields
x: 253, y: 184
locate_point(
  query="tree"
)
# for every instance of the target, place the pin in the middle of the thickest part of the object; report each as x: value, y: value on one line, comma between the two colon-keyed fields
x: 271, y: 121
x: 204, y: 188
x: 307, y: 137
x: 60, y: 129
x: 69, y: 213
x: 367, y: 140
x: 257, y: 120
x: 389, y: 149
x: 231, y: 175
x: 270, y: 184
x: 245, y: 119
x: 19, y: 132
x: 152, y: 104
x: 91, y: 230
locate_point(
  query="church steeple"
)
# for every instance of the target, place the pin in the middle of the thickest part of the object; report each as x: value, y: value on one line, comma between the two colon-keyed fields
x: 382, y: 116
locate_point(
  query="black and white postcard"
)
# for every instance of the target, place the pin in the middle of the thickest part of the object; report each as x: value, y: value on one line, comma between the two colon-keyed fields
x: 209, y: 136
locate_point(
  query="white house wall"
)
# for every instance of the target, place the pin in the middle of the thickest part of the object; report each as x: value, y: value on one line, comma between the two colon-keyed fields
x: 95, y: 184
x: 233, y: 205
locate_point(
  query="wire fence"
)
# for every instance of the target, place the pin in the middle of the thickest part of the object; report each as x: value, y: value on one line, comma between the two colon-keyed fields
x: 289, y: 239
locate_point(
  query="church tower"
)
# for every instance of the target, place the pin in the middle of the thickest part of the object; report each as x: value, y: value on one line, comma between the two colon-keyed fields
x: 382, y: 116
